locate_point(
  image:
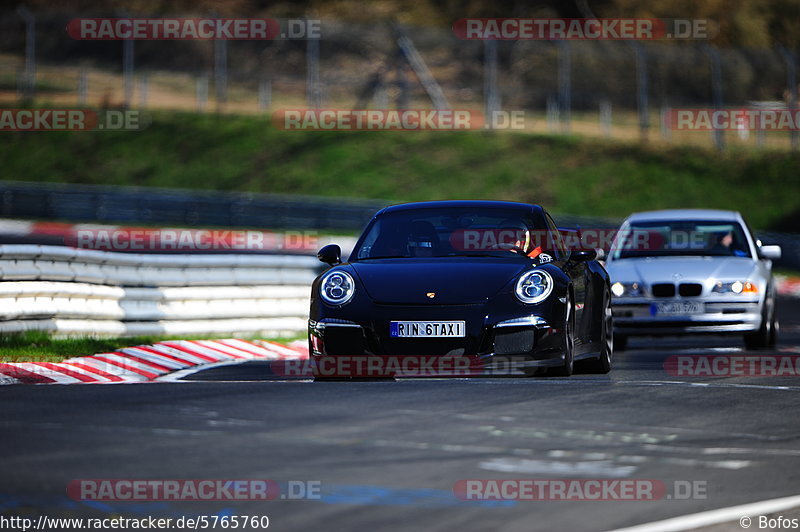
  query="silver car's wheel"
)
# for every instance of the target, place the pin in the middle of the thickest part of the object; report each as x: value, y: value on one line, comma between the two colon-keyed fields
x: 766, y: 336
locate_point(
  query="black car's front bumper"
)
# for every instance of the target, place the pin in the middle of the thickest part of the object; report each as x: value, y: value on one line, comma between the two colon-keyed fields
x: 493, y: 341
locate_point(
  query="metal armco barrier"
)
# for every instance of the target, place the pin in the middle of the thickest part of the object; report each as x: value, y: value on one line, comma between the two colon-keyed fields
x: 91, y: 203
x: 88, y: 292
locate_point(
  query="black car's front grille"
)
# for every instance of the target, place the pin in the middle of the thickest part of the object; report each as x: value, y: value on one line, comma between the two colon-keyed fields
x: 508, y: 341
x: 663, y: 290
x: 690, y: 289
x: 344, y: 341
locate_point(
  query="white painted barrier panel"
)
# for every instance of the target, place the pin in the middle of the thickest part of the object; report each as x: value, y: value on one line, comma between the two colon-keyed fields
x: 74, y: 291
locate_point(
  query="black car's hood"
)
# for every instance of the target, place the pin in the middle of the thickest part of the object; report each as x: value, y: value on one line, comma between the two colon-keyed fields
x: 452, y: 280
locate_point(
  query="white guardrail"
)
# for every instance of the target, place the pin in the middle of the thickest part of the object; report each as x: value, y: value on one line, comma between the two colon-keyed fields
x: 71, y: 291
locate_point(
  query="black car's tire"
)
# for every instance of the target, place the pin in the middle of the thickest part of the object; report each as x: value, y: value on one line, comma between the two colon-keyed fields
x: 568, y: 345
x: 602, y: 364
x: 767, y: 335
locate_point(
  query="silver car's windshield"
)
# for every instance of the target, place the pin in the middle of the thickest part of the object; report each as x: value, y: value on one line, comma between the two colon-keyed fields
x: 680, y: 238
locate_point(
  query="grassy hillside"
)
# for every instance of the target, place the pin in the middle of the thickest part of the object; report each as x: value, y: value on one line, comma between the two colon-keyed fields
x: 566, y: 174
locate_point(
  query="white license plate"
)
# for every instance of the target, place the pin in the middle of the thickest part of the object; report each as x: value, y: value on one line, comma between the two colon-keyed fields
x: 427, y: 329
x: 676, y: 308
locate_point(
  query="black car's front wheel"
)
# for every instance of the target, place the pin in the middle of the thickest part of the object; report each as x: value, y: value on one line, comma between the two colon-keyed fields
x: 602, y: 364
x: 568, y: 344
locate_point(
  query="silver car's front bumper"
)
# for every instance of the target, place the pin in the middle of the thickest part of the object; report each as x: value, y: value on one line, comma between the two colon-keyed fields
x: 640, y: 316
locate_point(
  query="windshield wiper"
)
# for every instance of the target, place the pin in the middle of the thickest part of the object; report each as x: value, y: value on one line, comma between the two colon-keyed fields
x: 504, y: 255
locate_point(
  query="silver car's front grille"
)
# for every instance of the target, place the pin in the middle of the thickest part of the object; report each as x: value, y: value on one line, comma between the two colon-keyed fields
x: 690, y: 289
x: 663, y: 290
x: 684, y: 290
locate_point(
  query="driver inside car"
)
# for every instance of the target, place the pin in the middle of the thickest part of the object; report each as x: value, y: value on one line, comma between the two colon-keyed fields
x: 521, y: 242
x: 423, y: 240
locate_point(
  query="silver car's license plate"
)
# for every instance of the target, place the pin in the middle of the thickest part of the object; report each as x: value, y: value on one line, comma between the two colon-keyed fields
x: 677, y: 308
x: 427, y: 329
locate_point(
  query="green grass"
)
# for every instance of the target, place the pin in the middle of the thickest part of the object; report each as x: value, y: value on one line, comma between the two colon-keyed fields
x: 36, y: 346
x: 566, y: 174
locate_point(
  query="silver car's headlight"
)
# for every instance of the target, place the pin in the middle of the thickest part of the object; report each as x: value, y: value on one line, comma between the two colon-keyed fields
x: 735, y: 287
x: 534, y: 286
x: 627, y: 289
x: 337, y: 288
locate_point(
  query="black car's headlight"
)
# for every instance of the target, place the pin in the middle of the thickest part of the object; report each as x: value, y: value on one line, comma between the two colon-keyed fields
x: 534, y: 286
x: 337, y: 288
x: 626, y: 289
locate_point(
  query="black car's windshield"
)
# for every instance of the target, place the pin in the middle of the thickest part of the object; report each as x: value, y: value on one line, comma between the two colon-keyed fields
x: 680, y: 238
x: 451, y: 232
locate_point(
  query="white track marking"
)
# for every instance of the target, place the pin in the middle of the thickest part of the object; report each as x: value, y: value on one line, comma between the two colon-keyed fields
x: 177, y: 376
x: 715, y: 517
x: 603, y: 468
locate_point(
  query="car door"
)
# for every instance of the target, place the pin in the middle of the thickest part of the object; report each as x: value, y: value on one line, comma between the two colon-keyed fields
x: 578, y: 272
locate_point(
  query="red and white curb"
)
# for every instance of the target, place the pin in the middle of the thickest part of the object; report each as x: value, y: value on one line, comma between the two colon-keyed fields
x: 148, y: 362
x: 787, y: 286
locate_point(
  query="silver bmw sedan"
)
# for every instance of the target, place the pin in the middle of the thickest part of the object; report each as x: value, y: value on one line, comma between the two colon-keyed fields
x: 692, y: 271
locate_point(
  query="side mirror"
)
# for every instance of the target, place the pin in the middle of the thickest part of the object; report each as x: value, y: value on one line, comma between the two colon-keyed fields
x: 601, y: 253
x: 330, y: 254
x: 769, y: 252
x: 583, y: 255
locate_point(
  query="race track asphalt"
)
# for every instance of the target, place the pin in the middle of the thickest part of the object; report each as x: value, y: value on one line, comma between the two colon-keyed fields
x: 387, y: 454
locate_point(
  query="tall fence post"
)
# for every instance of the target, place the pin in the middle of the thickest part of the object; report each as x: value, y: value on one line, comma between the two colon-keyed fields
x: 490, y: 95
x: 29, y: 74
x: 791, y: 81
x: 716, y: 91
x: 144, y: 89
x: 552, y: 115
x: 127, y: 70
x: 264, y: 94
x: 201, y: 93
x: 402, y: 101
x: 666, y: 132
x: 221, y: 73
x: 83, y: 87
x: 313, y: 96
x: 641, y: 91
x: 605, y: 118
x: 564, y: 84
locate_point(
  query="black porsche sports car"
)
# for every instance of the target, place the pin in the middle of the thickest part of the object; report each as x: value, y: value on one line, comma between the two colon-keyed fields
x: 490, y: 281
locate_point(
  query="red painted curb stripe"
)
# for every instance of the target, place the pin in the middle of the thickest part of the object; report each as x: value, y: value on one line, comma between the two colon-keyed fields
x: 90, y: 369
x: 141, y: 372
x: 28, y: 377
x: 188, y: 363
x: 230, y: 355
x: 175, y: 345
x: 141, y: 360
x: 66, y: 371
x: 230, y: 350
x: 255, y: 354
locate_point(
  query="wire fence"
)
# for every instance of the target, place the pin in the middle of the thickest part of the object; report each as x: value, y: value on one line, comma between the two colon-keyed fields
x: 618, y: 89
